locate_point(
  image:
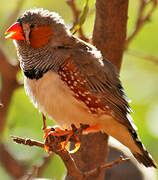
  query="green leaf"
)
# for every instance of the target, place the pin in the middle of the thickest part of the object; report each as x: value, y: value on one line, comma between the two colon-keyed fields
x: 82, y: 17
x: 84, y: 14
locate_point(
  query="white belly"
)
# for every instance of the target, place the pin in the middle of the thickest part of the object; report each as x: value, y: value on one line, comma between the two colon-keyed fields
x: 51, y: 96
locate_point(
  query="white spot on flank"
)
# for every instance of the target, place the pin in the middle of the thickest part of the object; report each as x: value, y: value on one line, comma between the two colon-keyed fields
x: 92, y: 109
x: 65, y: 68
x: 72, y: 77
x: 87, y: 102
x: 97, y: 101
x: 89, y: 99
x: 79, y: 92
x: 86, y: 92
x: 99, y: 109
x: 75, y: 83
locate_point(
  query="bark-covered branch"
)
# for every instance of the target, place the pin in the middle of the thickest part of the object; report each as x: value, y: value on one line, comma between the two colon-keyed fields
x: 73, y: 172
x: 8, y: 74
x: 142, y: 18
x: 110, y: 29
x: 143, y: 55
x: 14, y: 168
x: 9, y: 84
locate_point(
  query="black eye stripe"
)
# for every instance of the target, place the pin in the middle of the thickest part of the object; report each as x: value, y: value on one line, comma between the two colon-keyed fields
x: 32, y: 26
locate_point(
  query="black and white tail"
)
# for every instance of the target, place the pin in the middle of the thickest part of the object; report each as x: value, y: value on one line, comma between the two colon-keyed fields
x: 143, y: 158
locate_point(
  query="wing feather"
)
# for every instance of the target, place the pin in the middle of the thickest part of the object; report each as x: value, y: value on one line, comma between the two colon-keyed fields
x: 103, y: 82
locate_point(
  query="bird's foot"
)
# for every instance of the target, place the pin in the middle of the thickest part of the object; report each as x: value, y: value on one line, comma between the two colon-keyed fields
x: 63, y: 136
x: 60, y: 137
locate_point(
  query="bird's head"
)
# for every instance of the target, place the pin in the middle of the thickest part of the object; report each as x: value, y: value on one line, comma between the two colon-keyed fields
x: 38, y: 27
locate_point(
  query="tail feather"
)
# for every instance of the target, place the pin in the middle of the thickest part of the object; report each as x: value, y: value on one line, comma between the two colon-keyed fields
x: 144, y: 158
x: 129, y: 138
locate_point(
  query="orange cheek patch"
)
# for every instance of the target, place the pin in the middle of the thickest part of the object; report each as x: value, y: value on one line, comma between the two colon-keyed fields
x: 40, y: 36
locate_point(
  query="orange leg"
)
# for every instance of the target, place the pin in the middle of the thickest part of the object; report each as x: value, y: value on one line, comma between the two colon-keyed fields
x: 64, y: 143
x: 57, y: 131
x: 91, y: 128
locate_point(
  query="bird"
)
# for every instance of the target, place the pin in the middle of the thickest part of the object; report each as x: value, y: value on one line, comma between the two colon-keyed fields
x: 69, y: 80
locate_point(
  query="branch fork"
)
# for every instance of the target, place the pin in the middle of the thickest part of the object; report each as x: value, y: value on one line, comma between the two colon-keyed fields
x: 54, y: 144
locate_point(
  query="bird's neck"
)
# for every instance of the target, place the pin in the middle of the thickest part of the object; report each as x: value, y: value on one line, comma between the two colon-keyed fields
x: 35, y: 62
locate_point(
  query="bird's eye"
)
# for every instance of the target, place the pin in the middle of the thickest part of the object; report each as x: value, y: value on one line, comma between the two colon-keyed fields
x: 32, y: 26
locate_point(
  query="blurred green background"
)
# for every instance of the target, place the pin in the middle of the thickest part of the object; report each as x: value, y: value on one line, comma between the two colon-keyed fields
x: 139, y: 77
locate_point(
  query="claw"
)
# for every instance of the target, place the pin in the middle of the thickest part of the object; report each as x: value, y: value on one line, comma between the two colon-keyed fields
x: 77, y: 145
x: 58, y: 132
x: 66, y: 135
x: 47, y: 149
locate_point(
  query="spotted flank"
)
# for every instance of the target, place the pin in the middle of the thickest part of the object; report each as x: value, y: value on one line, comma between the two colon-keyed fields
x: 75, y: 82
x: 144, y: 158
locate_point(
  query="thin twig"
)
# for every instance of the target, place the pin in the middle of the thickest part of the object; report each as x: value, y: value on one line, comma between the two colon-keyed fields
x: 141, y: 18
x: 9, y: 84
x: 41, y: 167
x: 13, y: 15
x: 105, y: 166
x: 15, y: 12
x: 13, y: 167
x: 30, y: 175
x: 143, y: 55
x: 54, y: 144
x: 44, y: 122
x: 37, y: 170
x: 74, y: 9
x: 27, y: 141
x: 76, y: 14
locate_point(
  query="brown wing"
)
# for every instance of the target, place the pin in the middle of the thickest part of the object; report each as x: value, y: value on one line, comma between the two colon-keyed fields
x: 102, y: 81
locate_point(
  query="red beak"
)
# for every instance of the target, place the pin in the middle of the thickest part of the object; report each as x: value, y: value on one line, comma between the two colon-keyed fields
x: 15, y: 32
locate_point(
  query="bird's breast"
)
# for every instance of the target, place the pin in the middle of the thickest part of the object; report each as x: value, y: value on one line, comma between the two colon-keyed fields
x: 53, y: 97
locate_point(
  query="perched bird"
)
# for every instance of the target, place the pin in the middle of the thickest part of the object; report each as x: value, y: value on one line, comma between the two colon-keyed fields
x: 71, y: 81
